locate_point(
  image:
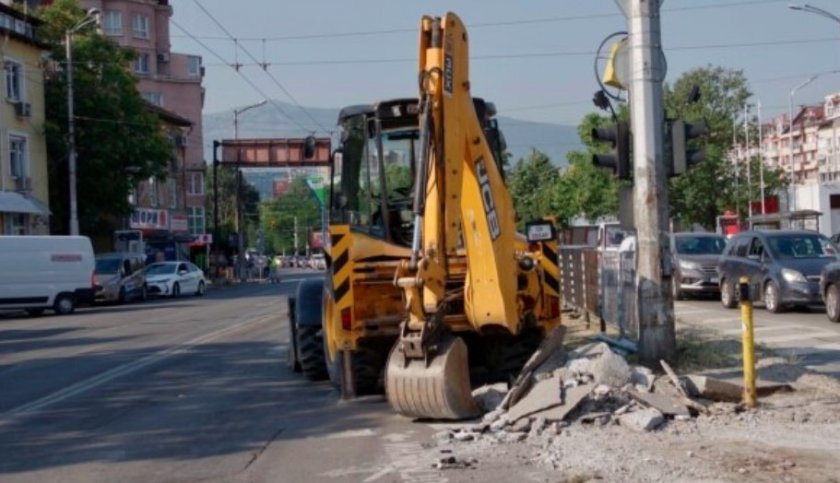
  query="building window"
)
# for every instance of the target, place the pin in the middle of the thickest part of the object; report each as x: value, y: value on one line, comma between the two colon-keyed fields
x: 16, y: 224
x: 141, y: 64
x: 194, y: 66
x: 112, y: 22
x: 17, y: 157
x: 14, y: 80
x: 173, y: 194
x: 155, y: 98
x: 153, y: 192
x: 196, y: 186
x: 196, y: 220
x: 140, y: 26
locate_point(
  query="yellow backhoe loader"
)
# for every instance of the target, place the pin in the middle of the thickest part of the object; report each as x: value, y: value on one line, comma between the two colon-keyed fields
x: 430, y: 290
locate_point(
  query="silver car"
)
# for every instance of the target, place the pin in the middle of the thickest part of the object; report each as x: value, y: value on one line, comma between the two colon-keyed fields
x: 118, y: 277
x: 696, y: 257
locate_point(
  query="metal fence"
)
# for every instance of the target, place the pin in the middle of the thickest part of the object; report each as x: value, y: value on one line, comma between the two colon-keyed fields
x: 602, y: 284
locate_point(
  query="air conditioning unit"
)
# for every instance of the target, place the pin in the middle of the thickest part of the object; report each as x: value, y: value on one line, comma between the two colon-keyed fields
x: 163, y: 57
x: 23, y: 184
x: 23, y: 109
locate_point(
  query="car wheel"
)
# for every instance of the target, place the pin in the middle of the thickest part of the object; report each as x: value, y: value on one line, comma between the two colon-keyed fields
x: 64, y: 304
x: 772, y: 297
x: 727, y: 294
x: 832, y: 303
x: 675, y: 288
x: 144, y: 293
x: 176, y: 290
x: 121, y: 296
x: 201, y: 289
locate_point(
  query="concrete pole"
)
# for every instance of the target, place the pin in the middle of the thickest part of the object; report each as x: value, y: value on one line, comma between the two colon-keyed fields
x: 761, y: 159
x: 749, y: 160
x: 71, y: 135
x: 654, y: 302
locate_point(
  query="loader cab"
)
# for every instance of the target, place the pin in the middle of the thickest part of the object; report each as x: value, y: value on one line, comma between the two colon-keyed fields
x: 373, y: 173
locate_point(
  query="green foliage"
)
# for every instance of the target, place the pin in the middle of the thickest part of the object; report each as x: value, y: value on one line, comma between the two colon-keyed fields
x: 119, y: 142
x: 531, y: 183
x: 250, y: 198
x: 278, y: 217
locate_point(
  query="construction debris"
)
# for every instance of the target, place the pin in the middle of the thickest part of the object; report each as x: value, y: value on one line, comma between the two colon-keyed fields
x: 643, y: 420
x: 713, y: 389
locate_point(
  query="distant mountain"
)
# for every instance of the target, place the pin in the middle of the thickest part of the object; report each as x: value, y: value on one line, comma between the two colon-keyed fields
x: 267, y: 122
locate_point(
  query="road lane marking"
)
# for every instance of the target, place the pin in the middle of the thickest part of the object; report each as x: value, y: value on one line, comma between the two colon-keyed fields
x: 352, y: 433
x: 119, y: 371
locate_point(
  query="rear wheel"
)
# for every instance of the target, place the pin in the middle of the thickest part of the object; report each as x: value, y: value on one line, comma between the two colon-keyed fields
x: 311, y: 349
x: 675, y: 288
x: 64, y: 304
x: 727, y: 294
x: 832, y: 303
x: 772, y: 298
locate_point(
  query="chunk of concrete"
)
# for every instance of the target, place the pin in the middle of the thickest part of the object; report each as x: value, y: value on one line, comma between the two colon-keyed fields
x: 642, y: 378
x: 662, y: 402
x: 644, y: 420
x: 521, y: 426
x: 489, y: 397
x: 590, y: 350
x: 714, y: 389
x: 572, y: 398
x: 611, y: 369
x: 543, y: 395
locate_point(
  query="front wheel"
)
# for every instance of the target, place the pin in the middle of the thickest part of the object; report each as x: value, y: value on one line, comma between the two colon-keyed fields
x: 201, y: 289
x: 121, y: 296
x: 772, y: 298
x: 727, y: 294
x: 176, y: 290
x: 675, y: 288
x: 832, y: 303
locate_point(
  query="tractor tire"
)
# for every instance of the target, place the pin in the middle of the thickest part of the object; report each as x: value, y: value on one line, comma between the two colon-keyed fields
x: 517, y: 354
x: 311, y: 350
x: 292, y: 358
x: 367, y: 366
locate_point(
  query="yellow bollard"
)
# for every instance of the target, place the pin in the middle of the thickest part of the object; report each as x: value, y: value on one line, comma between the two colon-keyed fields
x: 748, y: 342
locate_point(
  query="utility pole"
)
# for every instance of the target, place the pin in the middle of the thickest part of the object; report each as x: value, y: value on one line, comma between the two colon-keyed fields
x: 296, y: 237
x: 761, y: 159
x: 654, y: 302
x: 749, y: 160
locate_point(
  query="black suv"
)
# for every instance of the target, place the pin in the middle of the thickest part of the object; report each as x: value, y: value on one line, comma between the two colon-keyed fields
x: 783, y: 266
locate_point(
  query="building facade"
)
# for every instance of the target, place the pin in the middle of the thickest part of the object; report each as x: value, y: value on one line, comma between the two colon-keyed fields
x: 169, y: 80
x: 24, y: 189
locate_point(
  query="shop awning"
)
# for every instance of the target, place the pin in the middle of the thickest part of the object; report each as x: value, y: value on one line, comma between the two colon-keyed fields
x: 12, y: 202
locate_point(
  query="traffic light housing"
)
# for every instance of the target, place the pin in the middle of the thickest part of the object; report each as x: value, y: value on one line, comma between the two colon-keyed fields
x: 618, y: 159
x: 683, y: 156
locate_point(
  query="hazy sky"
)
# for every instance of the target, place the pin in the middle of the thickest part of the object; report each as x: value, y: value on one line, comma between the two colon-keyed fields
x: 528, y: 55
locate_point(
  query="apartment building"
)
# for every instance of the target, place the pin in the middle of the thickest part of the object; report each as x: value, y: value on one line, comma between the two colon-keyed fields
x: 169, y: 80
x: 24, y: 190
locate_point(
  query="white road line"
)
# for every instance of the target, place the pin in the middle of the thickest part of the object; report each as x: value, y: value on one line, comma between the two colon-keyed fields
x: 119, y: 371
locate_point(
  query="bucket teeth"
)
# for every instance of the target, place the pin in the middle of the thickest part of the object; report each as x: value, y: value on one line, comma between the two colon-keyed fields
x: 437, y: 390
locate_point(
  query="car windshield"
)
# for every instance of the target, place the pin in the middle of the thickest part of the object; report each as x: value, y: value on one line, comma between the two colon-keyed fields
x: 700, y: 245
x: 107, y: 265
x: 160, y: 269
x: 801, y: 246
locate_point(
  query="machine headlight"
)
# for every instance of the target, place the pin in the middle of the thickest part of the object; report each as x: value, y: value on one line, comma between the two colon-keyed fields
x: 792, y: 276
x: 689, y: 265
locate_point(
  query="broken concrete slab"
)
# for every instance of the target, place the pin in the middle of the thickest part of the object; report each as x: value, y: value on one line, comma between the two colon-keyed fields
x: 643, y: 378
x: 644, y: 420
x: 548, y: 347
x: 571, y: 400
x: 661, y: 402
x: 543, y: 395
x: 675, y: 380
x: 590, y: 350
x: 611, y: 369
x: 714, y: 389
x: 521, y: 426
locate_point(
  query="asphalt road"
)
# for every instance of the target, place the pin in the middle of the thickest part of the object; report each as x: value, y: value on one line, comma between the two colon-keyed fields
x: 804, y: 334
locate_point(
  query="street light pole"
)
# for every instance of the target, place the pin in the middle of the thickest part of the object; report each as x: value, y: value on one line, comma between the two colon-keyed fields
x: 790, y: 139
x: 91, y: 17
x: 239, y: 221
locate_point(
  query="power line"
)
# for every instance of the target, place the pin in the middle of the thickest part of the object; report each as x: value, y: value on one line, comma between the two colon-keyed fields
x: 527, y: 55
x: 265, y: 68
x: 504, y: 23
x: 244, y: 77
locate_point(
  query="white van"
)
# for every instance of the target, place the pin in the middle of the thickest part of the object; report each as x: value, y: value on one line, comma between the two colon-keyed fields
x: 45, y: 272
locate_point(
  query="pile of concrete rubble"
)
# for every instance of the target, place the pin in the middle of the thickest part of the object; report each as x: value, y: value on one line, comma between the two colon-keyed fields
x: 592, y: 386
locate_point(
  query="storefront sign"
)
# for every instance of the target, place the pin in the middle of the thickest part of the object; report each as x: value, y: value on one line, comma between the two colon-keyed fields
x: 150, y: 219
x: 178, y: 223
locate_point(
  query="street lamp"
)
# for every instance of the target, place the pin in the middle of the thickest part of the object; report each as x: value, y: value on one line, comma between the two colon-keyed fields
x: 239, y: 223
x: 91, y: 17
x: 790, y: 136
x: 822, y: 13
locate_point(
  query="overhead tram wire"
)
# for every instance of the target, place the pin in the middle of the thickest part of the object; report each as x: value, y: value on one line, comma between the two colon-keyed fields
x: 239, y: 72
x: 265, y: 68
x: 503, y: 23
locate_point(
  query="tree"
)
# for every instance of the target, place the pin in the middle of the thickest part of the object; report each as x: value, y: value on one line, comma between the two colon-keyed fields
x: 531, y: 183
x: 278, y: 217
x: 119, y: 142
x: 250, y: 198
x: 714, y: 185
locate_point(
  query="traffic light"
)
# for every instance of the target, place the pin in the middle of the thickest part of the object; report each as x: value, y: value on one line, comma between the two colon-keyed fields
x: 684, y: 157
x: 618, y: 159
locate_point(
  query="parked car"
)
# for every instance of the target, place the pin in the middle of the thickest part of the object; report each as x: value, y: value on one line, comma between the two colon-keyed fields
x: 830, y: 290
x: 175, y: 278
x: 784, y: 267
x: 119, y: 277
x: 45, y: 272
x: 696, y: 257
